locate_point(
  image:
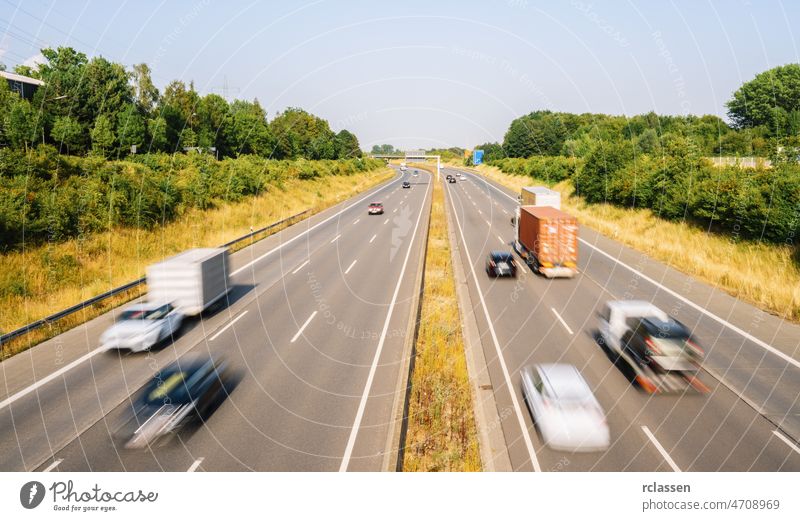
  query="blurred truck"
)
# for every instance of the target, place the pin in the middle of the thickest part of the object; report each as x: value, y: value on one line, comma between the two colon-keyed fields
x: 192, y: 281
x: 547, y: 239
x: 540, y: 196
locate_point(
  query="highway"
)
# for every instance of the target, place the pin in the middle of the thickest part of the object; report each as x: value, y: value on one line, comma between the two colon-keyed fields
x: 751, y: 358
x: 315, y: 326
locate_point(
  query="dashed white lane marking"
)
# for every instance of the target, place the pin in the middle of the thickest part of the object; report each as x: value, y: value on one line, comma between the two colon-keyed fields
x: 562, y: 321
x: 232, y: 322
x: 302, y: 328
x: 195, y: 465
x: 350, y: 267
x: 336, y: 238
x: 386, y: 221
x: 660, y: 449
x: 501, y: 239
x: 294, y: 271
x: 787, y: 441
x: 53, y: 465
x: 373, y: 238
x: 356, y: 221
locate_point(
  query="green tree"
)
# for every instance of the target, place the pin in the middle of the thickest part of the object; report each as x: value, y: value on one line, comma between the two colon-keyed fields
x: 347, y: 145
x: 767, y: 99
x: 68, y: 132
x: 102, y: 134
x: 130, y: 128
x: 20, y: 123
x: 300, y: 134
x: 157, y: 132
x: 145, y: 92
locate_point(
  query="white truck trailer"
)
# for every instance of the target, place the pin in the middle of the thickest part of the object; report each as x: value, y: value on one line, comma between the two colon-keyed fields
x: 192, y: 281
x: 540, y: 196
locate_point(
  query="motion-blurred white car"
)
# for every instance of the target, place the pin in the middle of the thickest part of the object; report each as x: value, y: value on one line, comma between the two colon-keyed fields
x: 141, y: 326
x: 564, y: 409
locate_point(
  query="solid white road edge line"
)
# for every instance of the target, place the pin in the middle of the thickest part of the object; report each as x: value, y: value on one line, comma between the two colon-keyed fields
x: 680, y: 297
x: 232, y: 322
x: 305, y: 232
x: 294, y: 272
x: 53, y: 465
x: 350, y: 267
x: 514, y: 401
x: 787, y: 441
x: 300, y: 331
x: 195, y: 465
x: 660, y: 449
x: 562, y: 321
x: 351, y: 441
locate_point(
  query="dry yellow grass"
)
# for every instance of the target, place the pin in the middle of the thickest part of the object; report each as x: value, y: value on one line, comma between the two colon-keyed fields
x: 441, y: 432
x: 763, y: 274
x: 54, y: 277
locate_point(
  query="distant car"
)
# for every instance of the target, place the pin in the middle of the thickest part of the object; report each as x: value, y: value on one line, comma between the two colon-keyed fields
x: 142, y: 326
x: 564, y: 409
x: 406, y: 184
x: 185, y: 391
x: 375, y: 208
x: 451, y: 179
x: 461, y: 176
x: 501, y: 264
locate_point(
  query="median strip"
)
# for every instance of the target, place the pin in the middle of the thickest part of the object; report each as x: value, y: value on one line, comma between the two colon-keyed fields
x: 441, y: 432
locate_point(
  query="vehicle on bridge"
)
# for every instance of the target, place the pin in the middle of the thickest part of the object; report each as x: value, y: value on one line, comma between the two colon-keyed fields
x: 658, y: 349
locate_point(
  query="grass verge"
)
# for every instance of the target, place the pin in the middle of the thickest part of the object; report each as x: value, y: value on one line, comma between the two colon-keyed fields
x: 40, y: 281
x: 766, y: 275
x: 441, y: 434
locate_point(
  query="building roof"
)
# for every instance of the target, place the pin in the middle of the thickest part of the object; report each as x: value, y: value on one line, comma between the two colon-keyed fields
x: 20, y: 78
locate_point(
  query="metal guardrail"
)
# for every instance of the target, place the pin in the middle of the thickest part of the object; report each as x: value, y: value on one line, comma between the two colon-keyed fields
x: 125, y: 287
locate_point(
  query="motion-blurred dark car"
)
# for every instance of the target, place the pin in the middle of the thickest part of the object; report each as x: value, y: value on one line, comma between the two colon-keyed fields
x: 406, y: 184
x: 184, y: 392
x: 501, y: 264
x: 451, y: 179
x: 662, y: 345
x: 375, y: 208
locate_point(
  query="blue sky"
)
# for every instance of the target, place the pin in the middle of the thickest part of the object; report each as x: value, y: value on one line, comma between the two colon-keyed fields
x: 428, y: 73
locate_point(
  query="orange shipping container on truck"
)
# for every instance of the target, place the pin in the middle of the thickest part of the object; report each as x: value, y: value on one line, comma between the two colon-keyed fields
x: 550, y: 234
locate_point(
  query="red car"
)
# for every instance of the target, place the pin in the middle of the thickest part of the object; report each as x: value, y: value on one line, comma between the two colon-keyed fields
x: 375, y: 208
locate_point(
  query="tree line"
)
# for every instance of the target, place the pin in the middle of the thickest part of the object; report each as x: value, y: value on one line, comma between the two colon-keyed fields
x: 97, y: 106
x: 660, y: 162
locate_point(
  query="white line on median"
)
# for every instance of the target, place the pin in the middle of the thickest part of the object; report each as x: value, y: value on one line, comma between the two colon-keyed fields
x: 660, y: 449
x: 350, y: 267
x: 336, y: 238
x: 351, y: 441
x: 195, y: 465
x: 526, y: 436
x: 232, y: 322
x: 305, y: 232
x: 562, y: 321
x: 294, y: 271
x: 787, y: 441
x: 53, y: 465
x: 373, y: 238
x: 680, y: 297
x: 300, y: 331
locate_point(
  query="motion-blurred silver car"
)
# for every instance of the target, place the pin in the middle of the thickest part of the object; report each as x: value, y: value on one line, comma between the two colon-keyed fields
x: 564, y: 409
x: 141, y: 326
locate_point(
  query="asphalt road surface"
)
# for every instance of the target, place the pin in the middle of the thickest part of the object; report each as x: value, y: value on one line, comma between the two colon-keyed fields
x: 748, y: 421
x: 315, y: 328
